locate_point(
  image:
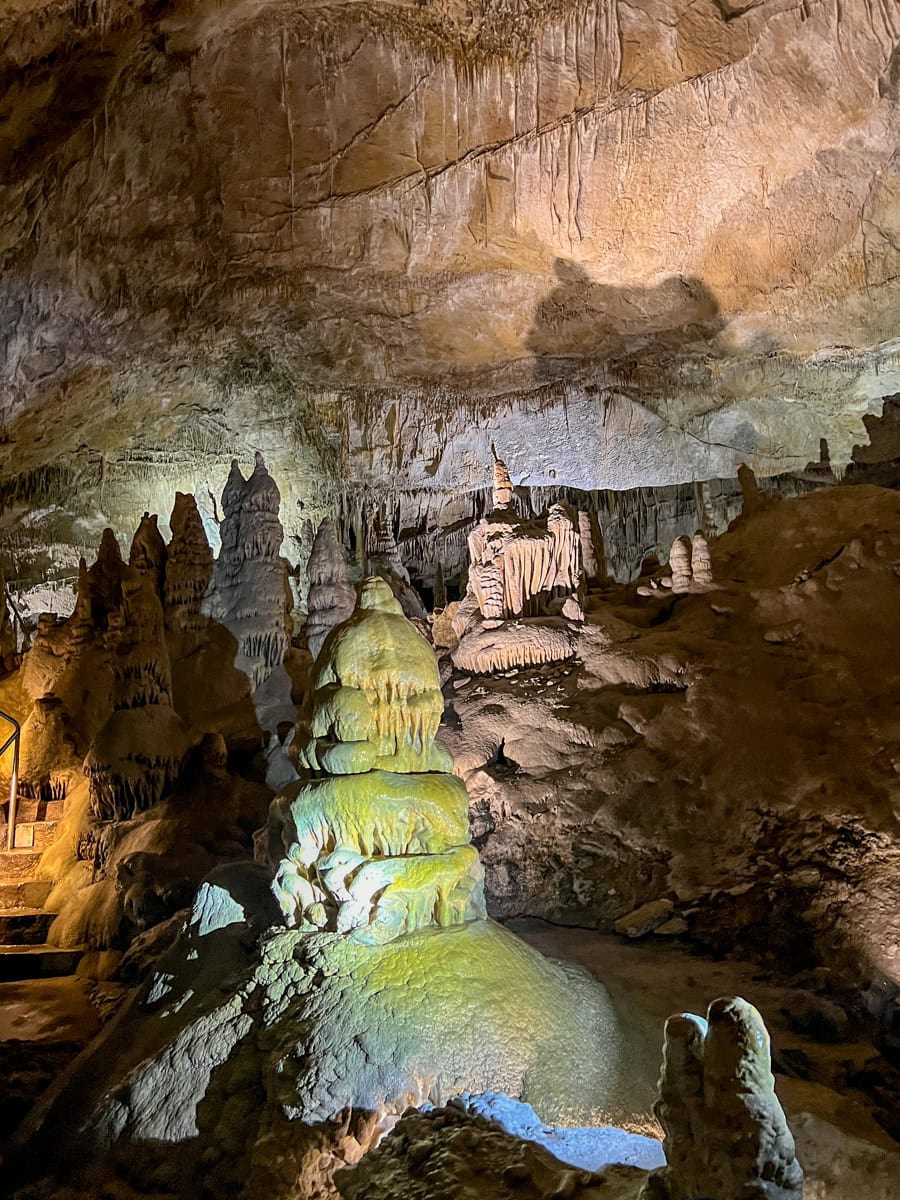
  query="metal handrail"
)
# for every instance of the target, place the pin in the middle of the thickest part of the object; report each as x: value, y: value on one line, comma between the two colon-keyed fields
x: 13, y: 739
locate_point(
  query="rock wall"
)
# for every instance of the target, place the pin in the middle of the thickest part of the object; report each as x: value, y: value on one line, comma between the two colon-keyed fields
x: 316, y: 232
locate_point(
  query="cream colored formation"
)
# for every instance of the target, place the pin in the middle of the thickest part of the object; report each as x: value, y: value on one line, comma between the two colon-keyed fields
x: 690, y: 569
x: 526, y: 578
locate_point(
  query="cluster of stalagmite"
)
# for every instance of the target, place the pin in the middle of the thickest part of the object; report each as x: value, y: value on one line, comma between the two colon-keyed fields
x: 331, y: 597
x: 138, y: 753
x: 726, y: 1133
x: 517, y: 567
x: 101, y: 686
x: 520, y: 573
x: 690, y: 566
x: 250, y: 596
x: 373, y: 842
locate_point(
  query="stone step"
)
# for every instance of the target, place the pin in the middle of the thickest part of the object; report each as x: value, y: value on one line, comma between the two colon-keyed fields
x: 36, y: 962
x: 18, y: 864
x: 39, y: 810
x: 37, y: 835
x: 25, y: 893
x: 24, y: 926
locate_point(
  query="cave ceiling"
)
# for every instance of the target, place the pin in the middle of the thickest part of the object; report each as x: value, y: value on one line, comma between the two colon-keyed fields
x: 631, y: 243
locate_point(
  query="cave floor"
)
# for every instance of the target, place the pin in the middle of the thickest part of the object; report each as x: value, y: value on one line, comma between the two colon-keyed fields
x: 44, y: 1024
x: 649, y: 979
x: 48, y: 1010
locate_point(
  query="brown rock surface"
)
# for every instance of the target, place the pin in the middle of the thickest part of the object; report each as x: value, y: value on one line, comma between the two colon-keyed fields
x: 694, y: 758
x: 399, y: 229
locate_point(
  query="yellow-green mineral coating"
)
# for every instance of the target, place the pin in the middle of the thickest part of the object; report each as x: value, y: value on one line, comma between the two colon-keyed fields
x: 378, y: 846
x: 470, y: 1008
x: 376, y: 699
x: 379, y: 813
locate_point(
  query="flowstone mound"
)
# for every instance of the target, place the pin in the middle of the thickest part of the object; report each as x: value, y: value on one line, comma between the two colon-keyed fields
x: 247, y: 1049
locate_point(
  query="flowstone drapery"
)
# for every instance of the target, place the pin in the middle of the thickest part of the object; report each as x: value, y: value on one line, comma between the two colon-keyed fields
x: 522, y: 574
x: 378, y: 846
x: 517, y: 567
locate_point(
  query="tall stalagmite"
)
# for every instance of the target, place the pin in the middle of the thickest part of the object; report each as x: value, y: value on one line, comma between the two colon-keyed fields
x: 250, y: 593
x: 331, y: 597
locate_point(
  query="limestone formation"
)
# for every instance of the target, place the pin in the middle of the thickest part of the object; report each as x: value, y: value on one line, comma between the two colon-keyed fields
x: 503, y: 493
x: 105, y: 579
x: 189, y: 571
x: 385, y: 560
x: 701, y: 566
x: 517, y: 567
x: 690, y: 566
x: 331, y: 597
x: 500, y: 645
x: 680, y: 566
x: 518, y: 570
x: 136, y: 636
x: 148, y: 552
x: 49, y: 763
x: 250, y: 593
x: 726, y: 1133
x: 379, y: 847
x: 588, y: 546
x: 134, y: 759
x: 138, y: 753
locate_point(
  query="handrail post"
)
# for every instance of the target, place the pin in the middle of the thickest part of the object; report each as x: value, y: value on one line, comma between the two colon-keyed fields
x: 13, y: 782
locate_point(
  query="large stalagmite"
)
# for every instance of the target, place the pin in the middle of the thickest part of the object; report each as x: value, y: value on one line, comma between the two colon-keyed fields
x: 392, y: 988
x: 380, y: 846
x: 331, y: 598
x: 249, y: 596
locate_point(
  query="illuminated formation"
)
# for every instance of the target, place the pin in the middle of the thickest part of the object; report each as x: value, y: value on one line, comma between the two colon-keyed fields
x: 520, y: 574
x: 517, y: 567
x: 378, y: 846
x: 726, y: 1133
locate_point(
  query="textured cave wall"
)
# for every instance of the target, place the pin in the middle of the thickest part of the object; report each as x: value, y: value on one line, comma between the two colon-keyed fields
x: 432, y: 527
x: 633, y: 243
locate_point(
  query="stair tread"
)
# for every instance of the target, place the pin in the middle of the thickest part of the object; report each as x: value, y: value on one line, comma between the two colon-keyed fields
x: 41, y: 948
